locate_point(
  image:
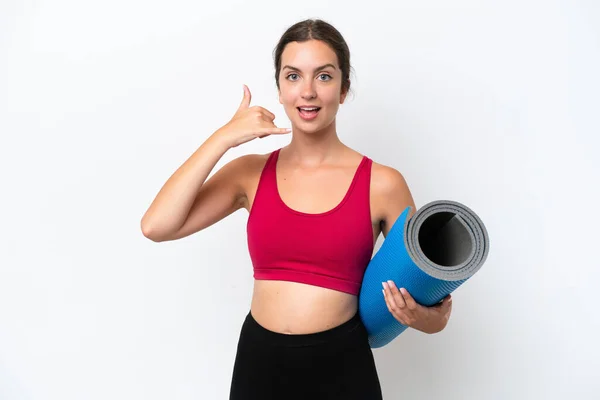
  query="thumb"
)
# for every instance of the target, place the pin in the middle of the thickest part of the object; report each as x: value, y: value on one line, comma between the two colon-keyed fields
x: 443, y: 302
x: 246, y: 100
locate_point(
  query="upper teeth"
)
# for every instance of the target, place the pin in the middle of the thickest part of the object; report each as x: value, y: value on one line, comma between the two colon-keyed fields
x: 309, y: 109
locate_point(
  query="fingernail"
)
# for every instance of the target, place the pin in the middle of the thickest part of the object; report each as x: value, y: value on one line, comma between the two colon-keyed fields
x: 383, y: 284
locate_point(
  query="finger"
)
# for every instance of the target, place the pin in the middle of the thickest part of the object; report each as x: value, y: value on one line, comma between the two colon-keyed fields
x: 393, y: 300
x: 442, y: 303
x: 267, y: 118
x: 396, y: 295
x: 410, y: 301
x: 448, y: 302
x: 266, y: 112
x: 274, y: 131
x: 394, y: 313
x: 387, y: 303
x: 246, y: 99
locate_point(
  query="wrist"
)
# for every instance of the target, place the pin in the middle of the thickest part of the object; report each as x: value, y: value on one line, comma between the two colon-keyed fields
x: 219, y: 139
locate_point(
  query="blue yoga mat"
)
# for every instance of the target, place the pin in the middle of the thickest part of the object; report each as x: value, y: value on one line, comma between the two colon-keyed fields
x: 430, y: 254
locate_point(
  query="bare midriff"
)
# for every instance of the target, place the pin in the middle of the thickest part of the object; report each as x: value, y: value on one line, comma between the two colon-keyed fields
x: 276, y: 307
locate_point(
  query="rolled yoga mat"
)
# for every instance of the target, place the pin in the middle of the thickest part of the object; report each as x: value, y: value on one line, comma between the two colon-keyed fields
x: 430, y: 254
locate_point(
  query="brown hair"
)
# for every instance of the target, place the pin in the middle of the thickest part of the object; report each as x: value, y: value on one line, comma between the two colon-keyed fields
x: 318, y: 30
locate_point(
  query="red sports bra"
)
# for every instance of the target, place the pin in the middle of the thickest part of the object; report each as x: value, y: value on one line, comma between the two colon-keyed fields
x: 330, y: 249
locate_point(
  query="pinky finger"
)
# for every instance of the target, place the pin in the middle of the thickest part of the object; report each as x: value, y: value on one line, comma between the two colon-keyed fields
x: 275, y: 131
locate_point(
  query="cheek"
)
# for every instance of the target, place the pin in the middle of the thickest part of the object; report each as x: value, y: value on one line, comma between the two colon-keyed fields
x: 331, y: 95
x: 331, y: 101
x: 286, y: 96
x: 289, y: 96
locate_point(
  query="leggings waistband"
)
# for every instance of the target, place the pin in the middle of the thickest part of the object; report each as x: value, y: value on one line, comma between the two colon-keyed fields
x: 353, y: 326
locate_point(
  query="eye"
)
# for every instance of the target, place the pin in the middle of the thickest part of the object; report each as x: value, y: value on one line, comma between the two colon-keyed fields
x: 327, y: 75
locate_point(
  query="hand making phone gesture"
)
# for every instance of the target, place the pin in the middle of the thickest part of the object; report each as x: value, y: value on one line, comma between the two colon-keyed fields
x: 248, y: 123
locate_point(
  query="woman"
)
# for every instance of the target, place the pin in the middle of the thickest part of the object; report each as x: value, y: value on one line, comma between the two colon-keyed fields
x: 316, y: 208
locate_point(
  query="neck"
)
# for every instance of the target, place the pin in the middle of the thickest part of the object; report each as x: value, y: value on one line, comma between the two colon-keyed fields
x: 314, y: 148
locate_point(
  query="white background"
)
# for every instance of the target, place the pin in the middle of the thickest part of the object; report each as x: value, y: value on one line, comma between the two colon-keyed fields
x: 492, y: 104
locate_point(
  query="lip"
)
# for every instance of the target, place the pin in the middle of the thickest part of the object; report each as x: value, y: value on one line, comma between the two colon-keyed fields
x: 307, y: 118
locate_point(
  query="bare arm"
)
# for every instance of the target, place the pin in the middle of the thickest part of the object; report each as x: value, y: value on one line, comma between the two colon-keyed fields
x: 170, y: 209
x: 185, y: 204
x: 394, y: 195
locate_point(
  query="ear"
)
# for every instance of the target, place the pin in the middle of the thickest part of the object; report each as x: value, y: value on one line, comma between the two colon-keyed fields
x: 343, y: 96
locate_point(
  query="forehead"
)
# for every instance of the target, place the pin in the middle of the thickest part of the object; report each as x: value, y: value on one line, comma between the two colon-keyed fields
x: 308, y: 54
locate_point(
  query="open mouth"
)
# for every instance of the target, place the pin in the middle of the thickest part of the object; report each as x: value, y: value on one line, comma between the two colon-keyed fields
x: 309, y: 114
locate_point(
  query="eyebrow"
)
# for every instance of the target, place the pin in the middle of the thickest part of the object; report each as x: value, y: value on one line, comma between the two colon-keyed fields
x: 315, y: 70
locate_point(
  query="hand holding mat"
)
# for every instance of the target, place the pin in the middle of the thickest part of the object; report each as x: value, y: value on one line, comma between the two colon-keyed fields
x: 430, y: 254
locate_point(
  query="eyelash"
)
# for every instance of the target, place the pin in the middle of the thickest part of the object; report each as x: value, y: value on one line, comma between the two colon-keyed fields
x: 319, y: 75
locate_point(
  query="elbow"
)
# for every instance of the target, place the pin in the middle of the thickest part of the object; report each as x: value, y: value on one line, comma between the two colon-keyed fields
x: 149, y: 233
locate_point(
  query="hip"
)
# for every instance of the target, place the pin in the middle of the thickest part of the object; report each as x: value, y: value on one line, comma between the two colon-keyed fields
x: 331, y: 364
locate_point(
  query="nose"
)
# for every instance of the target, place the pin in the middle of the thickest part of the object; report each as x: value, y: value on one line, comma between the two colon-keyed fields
x: 308, y: 90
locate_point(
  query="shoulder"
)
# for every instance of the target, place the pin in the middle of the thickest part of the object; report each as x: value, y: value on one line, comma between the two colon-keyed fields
x: 248, y: 165
x: 389, y: 184
x: 390, y: 194
x: 386, y: 180
x: 249, y: 168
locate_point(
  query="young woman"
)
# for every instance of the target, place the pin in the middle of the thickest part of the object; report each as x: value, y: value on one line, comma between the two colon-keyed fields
x: 316, y: 208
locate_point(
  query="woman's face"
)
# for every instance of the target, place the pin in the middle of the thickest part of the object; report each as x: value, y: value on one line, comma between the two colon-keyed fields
x: 310, y: 76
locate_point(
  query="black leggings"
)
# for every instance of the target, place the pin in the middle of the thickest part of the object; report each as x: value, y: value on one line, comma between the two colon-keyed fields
x: 334, y: 364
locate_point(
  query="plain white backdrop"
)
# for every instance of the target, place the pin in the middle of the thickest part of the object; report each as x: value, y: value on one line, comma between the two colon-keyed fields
x: 493, y: 104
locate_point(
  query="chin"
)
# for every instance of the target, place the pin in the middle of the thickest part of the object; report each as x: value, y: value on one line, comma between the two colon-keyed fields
x: 313, y: 129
